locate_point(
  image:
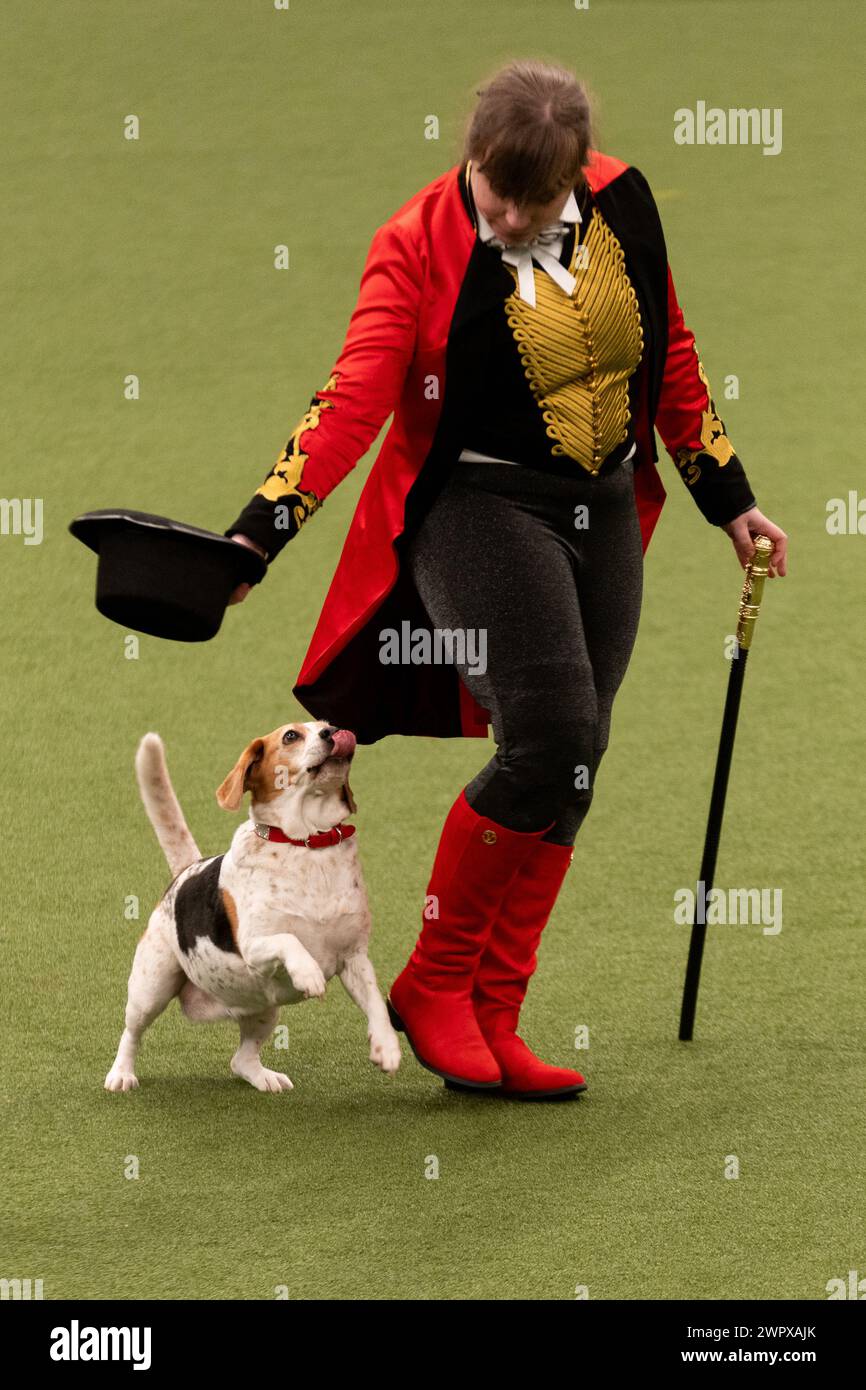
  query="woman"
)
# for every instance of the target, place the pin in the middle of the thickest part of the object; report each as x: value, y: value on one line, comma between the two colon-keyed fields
x: 519, y: 318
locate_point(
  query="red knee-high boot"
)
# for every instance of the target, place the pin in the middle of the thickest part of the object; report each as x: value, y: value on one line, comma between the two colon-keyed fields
x: 431, y: 1000
x: 506, y: 967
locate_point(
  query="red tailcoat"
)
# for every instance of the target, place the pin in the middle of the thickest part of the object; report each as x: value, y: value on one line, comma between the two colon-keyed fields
x: 426, y: 274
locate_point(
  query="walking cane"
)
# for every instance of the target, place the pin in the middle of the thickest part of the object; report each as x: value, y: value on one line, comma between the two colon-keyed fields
x: 750, y: 603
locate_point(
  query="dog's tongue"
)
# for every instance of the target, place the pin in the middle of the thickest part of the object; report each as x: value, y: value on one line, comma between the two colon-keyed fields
x: 344, y: 743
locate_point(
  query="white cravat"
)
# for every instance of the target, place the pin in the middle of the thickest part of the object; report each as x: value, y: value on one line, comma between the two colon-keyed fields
x: 545, y: 248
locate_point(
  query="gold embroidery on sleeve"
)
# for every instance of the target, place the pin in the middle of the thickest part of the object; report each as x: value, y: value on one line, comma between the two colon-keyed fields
x: 283, y: 480
x: 714, y: 440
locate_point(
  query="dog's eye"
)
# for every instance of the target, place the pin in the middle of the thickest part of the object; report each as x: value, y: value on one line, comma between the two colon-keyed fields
x: 290, y: 735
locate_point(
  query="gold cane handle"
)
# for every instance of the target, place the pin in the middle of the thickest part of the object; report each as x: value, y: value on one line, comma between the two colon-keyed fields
x: 753, y: 590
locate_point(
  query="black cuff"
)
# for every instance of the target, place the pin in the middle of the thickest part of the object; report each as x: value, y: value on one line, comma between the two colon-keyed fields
x: 721, y: 493
x: 269, y: 524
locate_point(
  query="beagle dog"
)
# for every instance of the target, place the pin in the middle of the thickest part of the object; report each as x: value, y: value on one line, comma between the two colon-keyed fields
x: 268, y: 923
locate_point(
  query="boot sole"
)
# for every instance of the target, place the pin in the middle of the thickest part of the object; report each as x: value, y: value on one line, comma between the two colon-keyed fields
x: 457, y: 1082
x: 563, y: 1093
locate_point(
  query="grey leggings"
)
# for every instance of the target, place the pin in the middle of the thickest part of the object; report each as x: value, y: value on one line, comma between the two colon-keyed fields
x: 499, y: 551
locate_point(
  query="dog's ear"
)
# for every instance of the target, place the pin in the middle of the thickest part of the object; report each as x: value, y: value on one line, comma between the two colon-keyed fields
x: 346, y: 793
x: 230, y: 793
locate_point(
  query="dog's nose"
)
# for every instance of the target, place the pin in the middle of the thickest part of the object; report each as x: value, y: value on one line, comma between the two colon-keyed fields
x: 327, y: 734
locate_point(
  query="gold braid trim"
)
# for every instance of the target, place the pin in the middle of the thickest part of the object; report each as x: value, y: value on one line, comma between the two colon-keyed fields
x: 579, y: 351
x: 283, y: 480
x: 714, y: 440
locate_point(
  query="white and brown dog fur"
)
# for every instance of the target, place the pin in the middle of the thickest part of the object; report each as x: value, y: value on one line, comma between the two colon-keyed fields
x: 267, y: 923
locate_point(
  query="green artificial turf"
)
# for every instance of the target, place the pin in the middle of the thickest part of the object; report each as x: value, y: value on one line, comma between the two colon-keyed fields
x: 155, y: 257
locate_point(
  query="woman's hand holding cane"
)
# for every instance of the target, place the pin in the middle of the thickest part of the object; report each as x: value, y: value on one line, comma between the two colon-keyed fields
x: 743, y: 531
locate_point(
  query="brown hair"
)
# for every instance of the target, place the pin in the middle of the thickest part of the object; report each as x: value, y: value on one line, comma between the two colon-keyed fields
x: 531, y: 132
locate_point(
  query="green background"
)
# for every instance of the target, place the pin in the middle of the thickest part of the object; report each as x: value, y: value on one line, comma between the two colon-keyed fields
x: 155, y: 257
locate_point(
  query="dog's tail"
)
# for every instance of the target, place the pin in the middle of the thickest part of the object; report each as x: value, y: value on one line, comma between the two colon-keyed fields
x: 162, y: 806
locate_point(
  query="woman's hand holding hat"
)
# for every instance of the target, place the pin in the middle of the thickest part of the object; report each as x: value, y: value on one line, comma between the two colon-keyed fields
x: 165, y: 577
x: 240, y: 593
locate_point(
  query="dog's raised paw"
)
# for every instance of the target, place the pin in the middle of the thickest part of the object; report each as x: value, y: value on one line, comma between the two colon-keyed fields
x: 121, y: 1079
x: 385, y: 1051
x: 310, y: 981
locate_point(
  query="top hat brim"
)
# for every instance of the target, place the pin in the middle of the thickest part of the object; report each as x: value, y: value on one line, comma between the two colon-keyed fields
x: 164, y: 577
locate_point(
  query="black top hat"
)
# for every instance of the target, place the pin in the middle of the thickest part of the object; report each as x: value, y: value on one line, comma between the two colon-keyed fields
x: 163, y: 577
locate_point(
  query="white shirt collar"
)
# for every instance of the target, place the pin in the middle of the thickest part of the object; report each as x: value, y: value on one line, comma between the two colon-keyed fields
x: 570, y: 213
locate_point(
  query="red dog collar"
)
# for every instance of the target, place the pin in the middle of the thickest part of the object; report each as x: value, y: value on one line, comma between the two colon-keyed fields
x: 327, y: 837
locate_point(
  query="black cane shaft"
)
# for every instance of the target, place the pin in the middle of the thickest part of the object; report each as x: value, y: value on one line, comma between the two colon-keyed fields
x: 757, y: 571
x: 711, y: 840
